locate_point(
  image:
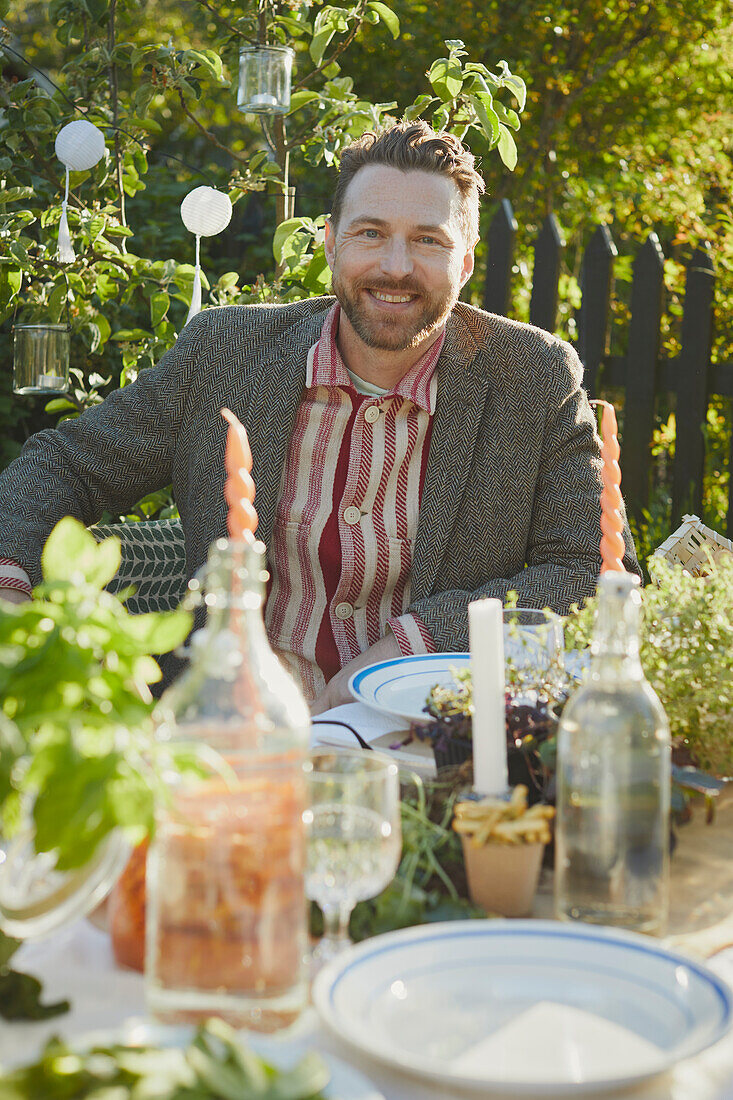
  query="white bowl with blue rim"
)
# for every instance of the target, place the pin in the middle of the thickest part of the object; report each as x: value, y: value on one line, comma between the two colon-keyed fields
x: 528, y: 1008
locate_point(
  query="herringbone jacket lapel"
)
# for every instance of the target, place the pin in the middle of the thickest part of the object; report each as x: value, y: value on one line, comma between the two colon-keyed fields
x: 271, y: 416
x: 462, y: 395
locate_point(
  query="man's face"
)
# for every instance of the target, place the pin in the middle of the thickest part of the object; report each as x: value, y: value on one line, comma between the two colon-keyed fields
x: 398, y: 258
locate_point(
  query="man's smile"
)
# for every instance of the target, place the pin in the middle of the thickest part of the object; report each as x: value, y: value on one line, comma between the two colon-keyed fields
x: 381, y: 296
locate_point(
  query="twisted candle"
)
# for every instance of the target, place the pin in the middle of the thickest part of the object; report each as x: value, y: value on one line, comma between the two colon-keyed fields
x: 612, y: 524
x: 239, y: 488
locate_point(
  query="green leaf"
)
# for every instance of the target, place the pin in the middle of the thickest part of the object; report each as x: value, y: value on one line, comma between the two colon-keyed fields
x: 319, y: 44
x: 298, y: 100
x: 487, y: 117
x: 387, y: 16
x: 14, y: 194
x: 318, y: 274
x: 227, y: 280
x: 159, y: 632
x: 287, y: 229
x: 507, y: 147
x: 71, y: 551
x: 146, y: 123
x: 159, y: 303
x: 418, y: 107
x: 8, y: 947
x: 130, y: 334
x: 446, y: 77
x: 59, y: 404
x: 507, y: 116
x: 518, y: 88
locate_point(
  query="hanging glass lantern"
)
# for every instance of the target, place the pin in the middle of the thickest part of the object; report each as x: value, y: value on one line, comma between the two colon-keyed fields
x: 264, y: 79
x: 41, y: 359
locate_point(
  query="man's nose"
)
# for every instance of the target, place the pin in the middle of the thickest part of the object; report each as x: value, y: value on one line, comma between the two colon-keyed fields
x: 396, y: 259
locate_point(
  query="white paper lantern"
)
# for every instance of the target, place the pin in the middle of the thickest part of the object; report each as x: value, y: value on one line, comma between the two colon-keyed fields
x: 80, y: 145
x: 206, y: 211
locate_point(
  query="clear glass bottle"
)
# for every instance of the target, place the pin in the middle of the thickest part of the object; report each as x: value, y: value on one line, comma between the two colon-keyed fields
x: 226, y: 925
x: 613, y: 780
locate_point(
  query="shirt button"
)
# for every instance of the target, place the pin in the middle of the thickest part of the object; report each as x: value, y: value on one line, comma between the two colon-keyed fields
x: 371, y: 415
x: 352, y: 515
x: 344, y: 611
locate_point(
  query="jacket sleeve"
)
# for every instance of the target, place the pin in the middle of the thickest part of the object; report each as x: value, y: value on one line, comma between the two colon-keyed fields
x: 108, y: 458
x: 563, y: 548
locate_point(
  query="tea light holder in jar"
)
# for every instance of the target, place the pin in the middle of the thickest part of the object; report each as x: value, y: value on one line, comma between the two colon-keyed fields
x: 264, y: 79
x: 41, y: 359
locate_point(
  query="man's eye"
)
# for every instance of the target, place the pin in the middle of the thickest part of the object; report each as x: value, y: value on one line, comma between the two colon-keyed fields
x: 428, y: 240
x: 371, y: 233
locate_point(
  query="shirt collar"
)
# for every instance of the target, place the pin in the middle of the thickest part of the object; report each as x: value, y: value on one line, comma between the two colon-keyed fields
x: 326, y: 367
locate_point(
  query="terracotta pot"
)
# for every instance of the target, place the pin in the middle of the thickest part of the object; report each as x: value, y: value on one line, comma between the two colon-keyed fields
x: 502, y: 878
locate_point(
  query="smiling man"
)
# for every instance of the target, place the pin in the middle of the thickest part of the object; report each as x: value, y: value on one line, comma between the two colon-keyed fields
x: 411, y: 453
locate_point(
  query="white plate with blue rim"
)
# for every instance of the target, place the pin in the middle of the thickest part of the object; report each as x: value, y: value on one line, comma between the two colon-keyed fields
x: 401, y: 687
x: 527, y: 1008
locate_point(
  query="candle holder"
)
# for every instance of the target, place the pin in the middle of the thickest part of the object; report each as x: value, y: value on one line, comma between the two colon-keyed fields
x: 41, y: 359
x: 264, y: 79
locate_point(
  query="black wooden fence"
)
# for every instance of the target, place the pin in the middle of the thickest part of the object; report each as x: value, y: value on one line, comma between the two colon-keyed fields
x: 641, y: 373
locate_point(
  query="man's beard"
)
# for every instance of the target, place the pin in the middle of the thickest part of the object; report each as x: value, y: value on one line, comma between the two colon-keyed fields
x: 397, y: 333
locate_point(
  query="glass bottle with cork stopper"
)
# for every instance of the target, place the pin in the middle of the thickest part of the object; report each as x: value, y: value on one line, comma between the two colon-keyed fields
x: 226, y: 925
x: 613, y: 780
x: 226, y: 908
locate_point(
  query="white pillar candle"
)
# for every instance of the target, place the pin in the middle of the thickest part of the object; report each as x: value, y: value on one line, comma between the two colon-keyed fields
x: 486, y: 634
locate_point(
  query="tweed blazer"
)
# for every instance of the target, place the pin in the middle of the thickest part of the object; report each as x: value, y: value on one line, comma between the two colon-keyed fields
x: 511, y: 498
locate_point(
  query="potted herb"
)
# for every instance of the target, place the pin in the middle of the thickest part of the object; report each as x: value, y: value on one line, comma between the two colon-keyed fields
x: 686, y: 643
x: 530, y: 729
x: 78, y: 760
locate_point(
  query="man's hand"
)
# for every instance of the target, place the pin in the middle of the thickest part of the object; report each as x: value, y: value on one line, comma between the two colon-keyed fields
x: 336, y: 690
x: 13, y: 596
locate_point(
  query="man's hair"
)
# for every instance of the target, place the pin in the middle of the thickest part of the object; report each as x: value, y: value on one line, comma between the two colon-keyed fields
x: 415, y: 146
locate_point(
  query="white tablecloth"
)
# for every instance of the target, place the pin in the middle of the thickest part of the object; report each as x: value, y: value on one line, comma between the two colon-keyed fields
x: 77, y: 964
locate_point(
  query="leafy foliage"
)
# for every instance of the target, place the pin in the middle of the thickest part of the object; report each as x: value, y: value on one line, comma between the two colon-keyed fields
x: 155, y: 85
x: 75, y: 725
x: 215, y: 1065
x: 686, y: 647
x: 20, y: 994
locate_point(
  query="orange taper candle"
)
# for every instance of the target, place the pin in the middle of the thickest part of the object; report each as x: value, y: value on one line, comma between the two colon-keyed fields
x: 612, y: 524
x: 239, y: 488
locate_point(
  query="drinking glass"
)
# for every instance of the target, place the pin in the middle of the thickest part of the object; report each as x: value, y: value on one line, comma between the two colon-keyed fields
x: 354, y: 839
x: 534, y: 650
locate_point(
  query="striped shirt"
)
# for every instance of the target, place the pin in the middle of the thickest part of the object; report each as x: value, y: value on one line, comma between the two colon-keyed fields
x: 340, y: 556
x: 12, y: 576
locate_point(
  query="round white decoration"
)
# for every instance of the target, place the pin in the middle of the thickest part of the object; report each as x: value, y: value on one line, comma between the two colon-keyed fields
x: 206, y: 211
x: 80, y: 145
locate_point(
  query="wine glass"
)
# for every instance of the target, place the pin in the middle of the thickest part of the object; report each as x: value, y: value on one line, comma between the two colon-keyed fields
x: 354, y: 838
x: 534, y: 651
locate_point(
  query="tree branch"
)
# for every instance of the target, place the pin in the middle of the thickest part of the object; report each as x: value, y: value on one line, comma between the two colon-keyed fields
x: 207, y: 133
x: 114, y: 96
x: 339, y: 49
x: 225, y: 23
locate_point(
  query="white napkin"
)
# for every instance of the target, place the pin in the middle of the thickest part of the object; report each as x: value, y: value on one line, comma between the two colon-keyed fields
x: 377, y: 729
x: 568, y: 1045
